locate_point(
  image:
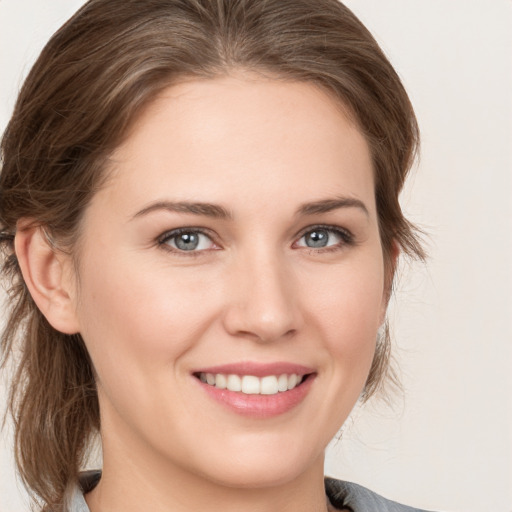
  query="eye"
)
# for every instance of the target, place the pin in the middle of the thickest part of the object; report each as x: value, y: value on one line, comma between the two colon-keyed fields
x: 324, y: 237
x: 187, y: 240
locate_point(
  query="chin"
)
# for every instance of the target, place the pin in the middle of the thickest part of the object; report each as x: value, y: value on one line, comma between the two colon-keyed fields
x: 255, y: 477
x: 259, y: 467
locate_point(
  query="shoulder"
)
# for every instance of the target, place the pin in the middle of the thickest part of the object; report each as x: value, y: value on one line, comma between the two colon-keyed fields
x: 359, y: 499
x: 88, y: 480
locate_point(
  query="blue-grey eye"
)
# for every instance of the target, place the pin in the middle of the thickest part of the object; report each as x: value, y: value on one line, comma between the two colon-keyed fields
x: 319, y: 238
x: 189, y: 241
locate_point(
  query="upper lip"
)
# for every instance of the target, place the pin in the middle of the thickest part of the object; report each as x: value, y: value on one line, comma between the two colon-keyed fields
x: 257, y: 369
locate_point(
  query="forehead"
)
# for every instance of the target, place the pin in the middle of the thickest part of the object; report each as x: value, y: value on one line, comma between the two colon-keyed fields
x: 243, y: 139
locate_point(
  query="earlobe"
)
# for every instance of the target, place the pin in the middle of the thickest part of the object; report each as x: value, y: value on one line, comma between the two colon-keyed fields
x: 45, y: 272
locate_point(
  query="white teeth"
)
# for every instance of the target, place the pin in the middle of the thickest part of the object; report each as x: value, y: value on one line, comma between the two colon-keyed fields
x: 282, y: 382
x: 269, y: 385
x: 292, y: 380
x: 234, y: 383
x: 251, y: 385
x: 220, y: 381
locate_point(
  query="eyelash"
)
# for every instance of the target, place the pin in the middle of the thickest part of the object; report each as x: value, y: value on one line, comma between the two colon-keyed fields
x: 169, y: 235
x: 346, y: 236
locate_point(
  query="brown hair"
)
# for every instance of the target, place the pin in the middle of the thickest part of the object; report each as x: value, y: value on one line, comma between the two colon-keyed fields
x: 90, y: 82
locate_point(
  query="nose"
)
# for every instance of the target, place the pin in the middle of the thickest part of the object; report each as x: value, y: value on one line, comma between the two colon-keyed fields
x: 262, y: 305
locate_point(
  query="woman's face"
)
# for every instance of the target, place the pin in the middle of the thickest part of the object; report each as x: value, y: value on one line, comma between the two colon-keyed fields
x: 237, y: 237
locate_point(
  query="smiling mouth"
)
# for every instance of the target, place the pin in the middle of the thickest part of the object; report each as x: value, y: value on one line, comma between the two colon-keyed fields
x: 252, y: 385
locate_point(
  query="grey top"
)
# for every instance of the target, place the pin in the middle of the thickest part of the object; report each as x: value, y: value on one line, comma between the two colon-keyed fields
x: 341, y: 494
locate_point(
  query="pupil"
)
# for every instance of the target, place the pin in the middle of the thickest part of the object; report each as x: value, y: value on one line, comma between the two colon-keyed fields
x: 317, y: 238
x: 187, y: 241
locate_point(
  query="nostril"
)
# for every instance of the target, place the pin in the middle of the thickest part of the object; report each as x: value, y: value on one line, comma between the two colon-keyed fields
x: 271, y: 335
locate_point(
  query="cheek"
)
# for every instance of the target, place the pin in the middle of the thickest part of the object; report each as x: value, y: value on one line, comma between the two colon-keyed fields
x: 347, y: 306
x: 136, y: 321
x: 138, y: 330
x: 144, y: 327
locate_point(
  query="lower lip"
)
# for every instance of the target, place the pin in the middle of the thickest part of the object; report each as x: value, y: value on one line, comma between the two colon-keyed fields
x: 260, y: 406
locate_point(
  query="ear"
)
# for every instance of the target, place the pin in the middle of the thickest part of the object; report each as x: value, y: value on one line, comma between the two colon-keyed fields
x: 47, y: 274
x: 390, y: 264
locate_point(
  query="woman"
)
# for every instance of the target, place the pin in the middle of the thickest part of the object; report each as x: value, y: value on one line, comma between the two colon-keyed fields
x: 199, y: 212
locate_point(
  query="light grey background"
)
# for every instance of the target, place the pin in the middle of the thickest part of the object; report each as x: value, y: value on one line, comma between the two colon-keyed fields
x: 447, y: 444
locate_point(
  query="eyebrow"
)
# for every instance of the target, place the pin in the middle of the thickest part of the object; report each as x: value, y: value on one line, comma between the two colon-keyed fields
x: 219, y: 212
x: 195, y: 208
x: 328, y: 205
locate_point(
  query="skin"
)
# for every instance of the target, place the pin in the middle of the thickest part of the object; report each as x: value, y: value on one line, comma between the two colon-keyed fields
x: 254, y: 291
